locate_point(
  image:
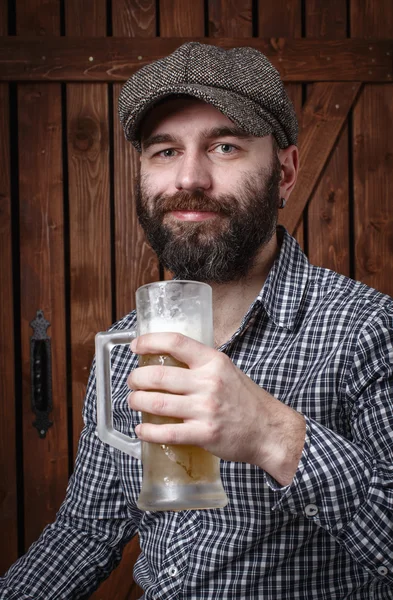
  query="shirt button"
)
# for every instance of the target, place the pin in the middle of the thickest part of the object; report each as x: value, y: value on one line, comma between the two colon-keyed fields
x: 383, y: 570
x: 173, y: 571
x: 311, y: 510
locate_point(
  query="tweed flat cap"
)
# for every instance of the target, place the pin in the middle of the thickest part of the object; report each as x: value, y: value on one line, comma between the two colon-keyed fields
x: 240, y: 82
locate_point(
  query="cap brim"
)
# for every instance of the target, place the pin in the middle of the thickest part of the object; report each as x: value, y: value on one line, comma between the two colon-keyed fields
x: 245, y: 113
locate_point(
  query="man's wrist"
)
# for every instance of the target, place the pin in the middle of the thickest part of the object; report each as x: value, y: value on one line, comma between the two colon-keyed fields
x: 283, y: 445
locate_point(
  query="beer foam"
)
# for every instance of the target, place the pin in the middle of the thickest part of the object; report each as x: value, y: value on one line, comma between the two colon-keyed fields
x: 192, y: 328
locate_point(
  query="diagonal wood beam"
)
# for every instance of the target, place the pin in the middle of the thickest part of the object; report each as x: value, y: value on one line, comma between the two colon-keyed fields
x: 323, y: 118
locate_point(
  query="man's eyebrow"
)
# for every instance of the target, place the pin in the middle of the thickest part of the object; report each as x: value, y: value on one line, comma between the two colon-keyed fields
x: 227, y: 131
x: 160, y: 138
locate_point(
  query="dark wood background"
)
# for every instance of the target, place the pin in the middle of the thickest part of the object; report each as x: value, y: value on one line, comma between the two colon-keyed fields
x: 69, y: 241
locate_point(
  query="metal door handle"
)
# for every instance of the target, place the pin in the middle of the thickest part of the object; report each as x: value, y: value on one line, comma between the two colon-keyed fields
x: 41, y: 374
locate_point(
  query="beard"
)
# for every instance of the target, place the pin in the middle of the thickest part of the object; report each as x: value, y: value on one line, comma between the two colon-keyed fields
x: 219, y: 249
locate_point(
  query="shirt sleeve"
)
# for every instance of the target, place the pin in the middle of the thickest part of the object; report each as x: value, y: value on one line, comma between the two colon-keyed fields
x: 78, y: 551
x: 345, y: 483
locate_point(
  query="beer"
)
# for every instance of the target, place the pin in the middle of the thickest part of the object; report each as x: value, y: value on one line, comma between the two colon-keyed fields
x: 175, y: 477
x: 182, y: 464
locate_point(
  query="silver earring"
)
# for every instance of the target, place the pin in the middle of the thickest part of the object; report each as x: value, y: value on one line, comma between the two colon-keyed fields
x: 282, y: 203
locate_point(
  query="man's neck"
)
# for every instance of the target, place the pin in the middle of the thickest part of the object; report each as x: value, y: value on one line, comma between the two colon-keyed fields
x: 232, y: 300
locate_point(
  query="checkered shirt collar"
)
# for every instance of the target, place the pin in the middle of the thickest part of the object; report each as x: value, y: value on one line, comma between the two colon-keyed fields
x: 283, y: 290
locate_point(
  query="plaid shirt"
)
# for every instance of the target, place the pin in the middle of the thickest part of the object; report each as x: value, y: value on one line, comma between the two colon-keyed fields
x: 319, y: 342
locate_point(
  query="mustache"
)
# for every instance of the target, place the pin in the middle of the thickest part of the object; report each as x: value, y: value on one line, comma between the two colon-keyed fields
x: 197, y: 200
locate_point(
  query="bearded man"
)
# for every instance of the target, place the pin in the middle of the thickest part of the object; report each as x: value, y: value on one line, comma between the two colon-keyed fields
x: 295, y: 398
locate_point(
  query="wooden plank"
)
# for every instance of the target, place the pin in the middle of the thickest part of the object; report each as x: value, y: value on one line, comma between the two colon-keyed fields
x: 326, y: 19
x: 371, y: 19
x: 136, y: 263
x: 38, y: 17
x: 278, y: 20
x: 8, y: 493
x: 115, y: 59
x: 42, y: 287
x: 3, y: 17
x: 323, y: 117
x: 328, y: 210
x: 134, y: 18
x: 230, y: 19
x: 373, y: 178
x: 181, y: 18
x: 85, y: 18
x: 372, y: 159
x: 294, y: 91
x: 45, y: 461
x: 89, y: 209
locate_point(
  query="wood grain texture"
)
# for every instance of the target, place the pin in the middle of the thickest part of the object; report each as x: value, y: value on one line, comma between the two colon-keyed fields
x: 45, y: 461
x: 277, y: 20
x: 89, y: 210
x: 230, y: 18
x: 8, y: 493
x: 326, y: 19
x: 280, y: 19
x: 136, y: 263
x: 294, y: 91
x: 85, y: 18
x: 373, y: 180
x: 3, y: 17
x: 181, y: 18
x: 115, y: 59
x: 323, y: 118
x: 372, y: 158
x: 134, y: 18
x: 38, y: 17
x: 42, y: 287
x: 371, y: 19
x: 328, y: 210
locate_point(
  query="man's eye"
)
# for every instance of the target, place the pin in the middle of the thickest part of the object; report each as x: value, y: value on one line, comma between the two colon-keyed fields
x: 167, y: 153
x: 225, y: 148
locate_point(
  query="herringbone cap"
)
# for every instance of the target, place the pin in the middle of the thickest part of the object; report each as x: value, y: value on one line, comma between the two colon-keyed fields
x: 240, y: 82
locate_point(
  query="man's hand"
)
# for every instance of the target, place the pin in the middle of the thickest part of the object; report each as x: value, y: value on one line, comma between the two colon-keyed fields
x: 222, y: 409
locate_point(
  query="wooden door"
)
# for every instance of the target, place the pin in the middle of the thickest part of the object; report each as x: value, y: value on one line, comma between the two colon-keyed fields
x: 71, y: 250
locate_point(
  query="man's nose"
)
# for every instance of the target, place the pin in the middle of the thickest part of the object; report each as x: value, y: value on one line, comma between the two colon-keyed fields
x: 193, y: 173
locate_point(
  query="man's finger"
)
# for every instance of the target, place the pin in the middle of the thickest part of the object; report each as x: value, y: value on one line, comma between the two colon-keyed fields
x: 182, y: 348
x: 160, y: 404
x: 179, y: 433
x: 176, y: 380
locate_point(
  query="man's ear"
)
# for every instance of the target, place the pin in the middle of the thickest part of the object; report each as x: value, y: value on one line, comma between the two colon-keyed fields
x: 289, y: 159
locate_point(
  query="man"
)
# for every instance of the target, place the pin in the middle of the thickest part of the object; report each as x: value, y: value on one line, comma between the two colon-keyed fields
x: 295, y: 398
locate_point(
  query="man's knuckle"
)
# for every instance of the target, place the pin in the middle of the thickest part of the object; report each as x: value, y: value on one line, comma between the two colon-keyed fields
x: 172, y: 436
x: 158, y: 404
x: 216, y: 383
x: 179, y: 340
x: 159, y: 375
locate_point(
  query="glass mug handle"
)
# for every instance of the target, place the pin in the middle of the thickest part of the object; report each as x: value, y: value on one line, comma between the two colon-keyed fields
x: 104, y: 342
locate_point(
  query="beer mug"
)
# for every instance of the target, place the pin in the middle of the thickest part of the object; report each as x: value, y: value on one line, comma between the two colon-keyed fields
x: 175, y: 477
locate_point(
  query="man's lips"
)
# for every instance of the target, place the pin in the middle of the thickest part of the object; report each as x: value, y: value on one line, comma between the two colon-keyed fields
x: 192, y: 215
